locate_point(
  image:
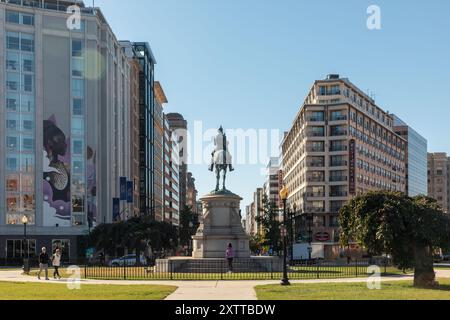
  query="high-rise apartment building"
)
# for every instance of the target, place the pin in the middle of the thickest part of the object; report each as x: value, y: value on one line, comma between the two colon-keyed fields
x: 416, y: 158
x: 439, y: 179
x: 272, y: 184
x: 158, y: 124
x: 171, y: 176
x: 142, y: 52
x: 191, y: 193
x: 65, y: 125
x: 340, y: 144
x: 178, y: 125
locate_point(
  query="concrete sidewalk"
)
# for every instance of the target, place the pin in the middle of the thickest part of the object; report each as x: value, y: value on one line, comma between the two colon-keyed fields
x: 207, y: 290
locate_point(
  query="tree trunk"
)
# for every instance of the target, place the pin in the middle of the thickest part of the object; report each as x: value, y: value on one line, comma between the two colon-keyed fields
x: 424, y: 275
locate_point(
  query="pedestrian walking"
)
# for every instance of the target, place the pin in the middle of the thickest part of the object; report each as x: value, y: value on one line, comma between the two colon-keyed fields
x: 56, y: 262
x: 43, y: 263
x: 229, y: 255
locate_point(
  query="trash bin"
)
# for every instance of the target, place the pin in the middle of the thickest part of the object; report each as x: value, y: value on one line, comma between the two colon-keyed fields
x: 26, y: 266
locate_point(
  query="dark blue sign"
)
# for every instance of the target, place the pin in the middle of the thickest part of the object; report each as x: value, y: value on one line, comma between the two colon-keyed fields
x: 129, y: 191
x: 123, y: 188
x: 116, y: 208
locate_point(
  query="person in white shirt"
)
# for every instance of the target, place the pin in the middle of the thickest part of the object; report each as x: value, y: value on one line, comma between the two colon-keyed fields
x: 56, y: 261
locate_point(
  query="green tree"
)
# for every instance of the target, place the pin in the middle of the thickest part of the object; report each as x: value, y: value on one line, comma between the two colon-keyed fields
x: 391, y: 223
x: 270, y: 225
x: 188, y: 225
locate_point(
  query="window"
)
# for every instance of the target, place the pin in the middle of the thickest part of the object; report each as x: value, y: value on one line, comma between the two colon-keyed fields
x: 12, y: 101
x: 63, y: 245
x: 77, y: 126
x: 28, y: 125
x: 12, y: 81
x: 12, y: 41
x: 77, y: 107
x: 27, y: 42
x: 12, y: 163
x: 78, y: 88
x: 27, y: 63
x: 11, y: 143
x: 12, y: 17
x: 77, y: 48
x: 27, y: 19
x: 28, y: 83
x: 27, y: 104
x: 27, y: 144
x: 12, y: 61
x: 77, y: 67
x: 77, y: 147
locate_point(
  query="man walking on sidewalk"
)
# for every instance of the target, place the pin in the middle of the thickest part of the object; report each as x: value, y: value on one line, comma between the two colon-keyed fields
x: 43, y: 263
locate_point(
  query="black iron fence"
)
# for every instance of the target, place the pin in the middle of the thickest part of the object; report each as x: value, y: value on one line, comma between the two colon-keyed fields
x: 241, y: 269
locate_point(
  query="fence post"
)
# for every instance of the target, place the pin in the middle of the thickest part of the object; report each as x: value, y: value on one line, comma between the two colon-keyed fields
x: 85, y: 271
x: 170, y: 269
x: 124, y: 271
x: 356, y: 267
x: 222, y: 268
x: 318, y: 271
x: 271, y: 269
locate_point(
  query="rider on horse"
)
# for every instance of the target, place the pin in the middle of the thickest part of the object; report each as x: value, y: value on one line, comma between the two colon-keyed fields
x: 221, y: 146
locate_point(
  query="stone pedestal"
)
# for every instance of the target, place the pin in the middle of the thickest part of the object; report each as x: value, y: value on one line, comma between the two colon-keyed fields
x: 221, y: 224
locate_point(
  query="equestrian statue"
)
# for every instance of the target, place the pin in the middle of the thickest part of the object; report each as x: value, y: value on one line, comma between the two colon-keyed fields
x: 221, y: 158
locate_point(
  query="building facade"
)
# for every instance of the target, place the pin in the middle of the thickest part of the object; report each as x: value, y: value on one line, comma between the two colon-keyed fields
x: 65, y: 126
x: 142, y: 52
x: 158, y: 123
x: 439, y: 179
x: 416, y: 158
x: 178, y: 125
x: 341, y: 144
x: 272, y: 184
x: 191, y: 193
x: 171, y: 176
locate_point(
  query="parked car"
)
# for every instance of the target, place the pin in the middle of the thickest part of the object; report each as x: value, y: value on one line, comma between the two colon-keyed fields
x: 437, y: 258
x: 446, y: 257
x: 129, y: 260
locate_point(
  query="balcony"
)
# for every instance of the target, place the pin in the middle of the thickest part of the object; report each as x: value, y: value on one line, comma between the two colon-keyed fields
x: 315, y: 194
x: 311, y: 149
x: 338, y: 178
x: 315, y: 209
x: 315, y: 134
x: 315, y: 119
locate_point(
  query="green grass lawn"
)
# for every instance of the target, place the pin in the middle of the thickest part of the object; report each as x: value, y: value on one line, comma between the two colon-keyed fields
x: 395, y: 290
x: 47, y: 291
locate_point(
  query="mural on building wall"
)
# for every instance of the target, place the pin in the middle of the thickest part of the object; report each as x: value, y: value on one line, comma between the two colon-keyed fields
x: 91, y: 185
x: 56, y: 168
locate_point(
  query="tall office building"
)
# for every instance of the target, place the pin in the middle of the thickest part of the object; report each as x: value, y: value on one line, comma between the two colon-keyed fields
x: 65, y: 125
x: 340, y: 144
x: 142, y: 52
x: 178, y: 125
x: 416, y: 158
x: 171, y: 176
x: 158, y: 123
x: 191, y: 193
x: 272, y: 184
x: 439, y: 179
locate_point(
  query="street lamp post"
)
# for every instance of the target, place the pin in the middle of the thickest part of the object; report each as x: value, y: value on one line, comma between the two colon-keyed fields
x: 283, y: 195
x: 293, y: 236
x: 26, y: 261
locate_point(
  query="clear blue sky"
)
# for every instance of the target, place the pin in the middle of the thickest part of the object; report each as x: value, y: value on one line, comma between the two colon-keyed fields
x: 255, y: 60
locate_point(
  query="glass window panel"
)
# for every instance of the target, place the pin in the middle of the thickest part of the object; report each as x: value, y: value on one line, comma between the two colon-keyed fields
x: 27, y: 19
x: 12, y: 101
x: 12, y: 61
x: 12, y: 202
x: 27, y: 183
x: 12, y: 16
x: 12, y: 143
x: 12, y: 121
x: 12, y: 81
x: 28, y: 82
x: 77, y: 126
x: 27, y: 104
x: 77, y: 107
x: 12, y: 40
x: 12, y: 162
x: 28, y: 144
x: 78, y: 167
x: 27, y: 63
x: 77, y: 67
x: 27, y: 163
x: 77, y: 48
x: 27, y: 42
x: 78, y: 88
x: 28, y: 202
x: 12, y: 183
x: 77, y: 147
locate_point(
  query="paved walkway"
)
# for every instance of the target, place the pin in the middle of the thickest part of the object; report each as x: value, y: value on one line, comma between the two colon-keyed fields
x: 207, y: 290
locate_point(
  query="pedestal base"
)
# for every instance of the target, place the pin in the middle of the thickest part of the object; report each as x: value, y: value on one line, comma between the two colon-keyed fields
x: 221, y: 225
